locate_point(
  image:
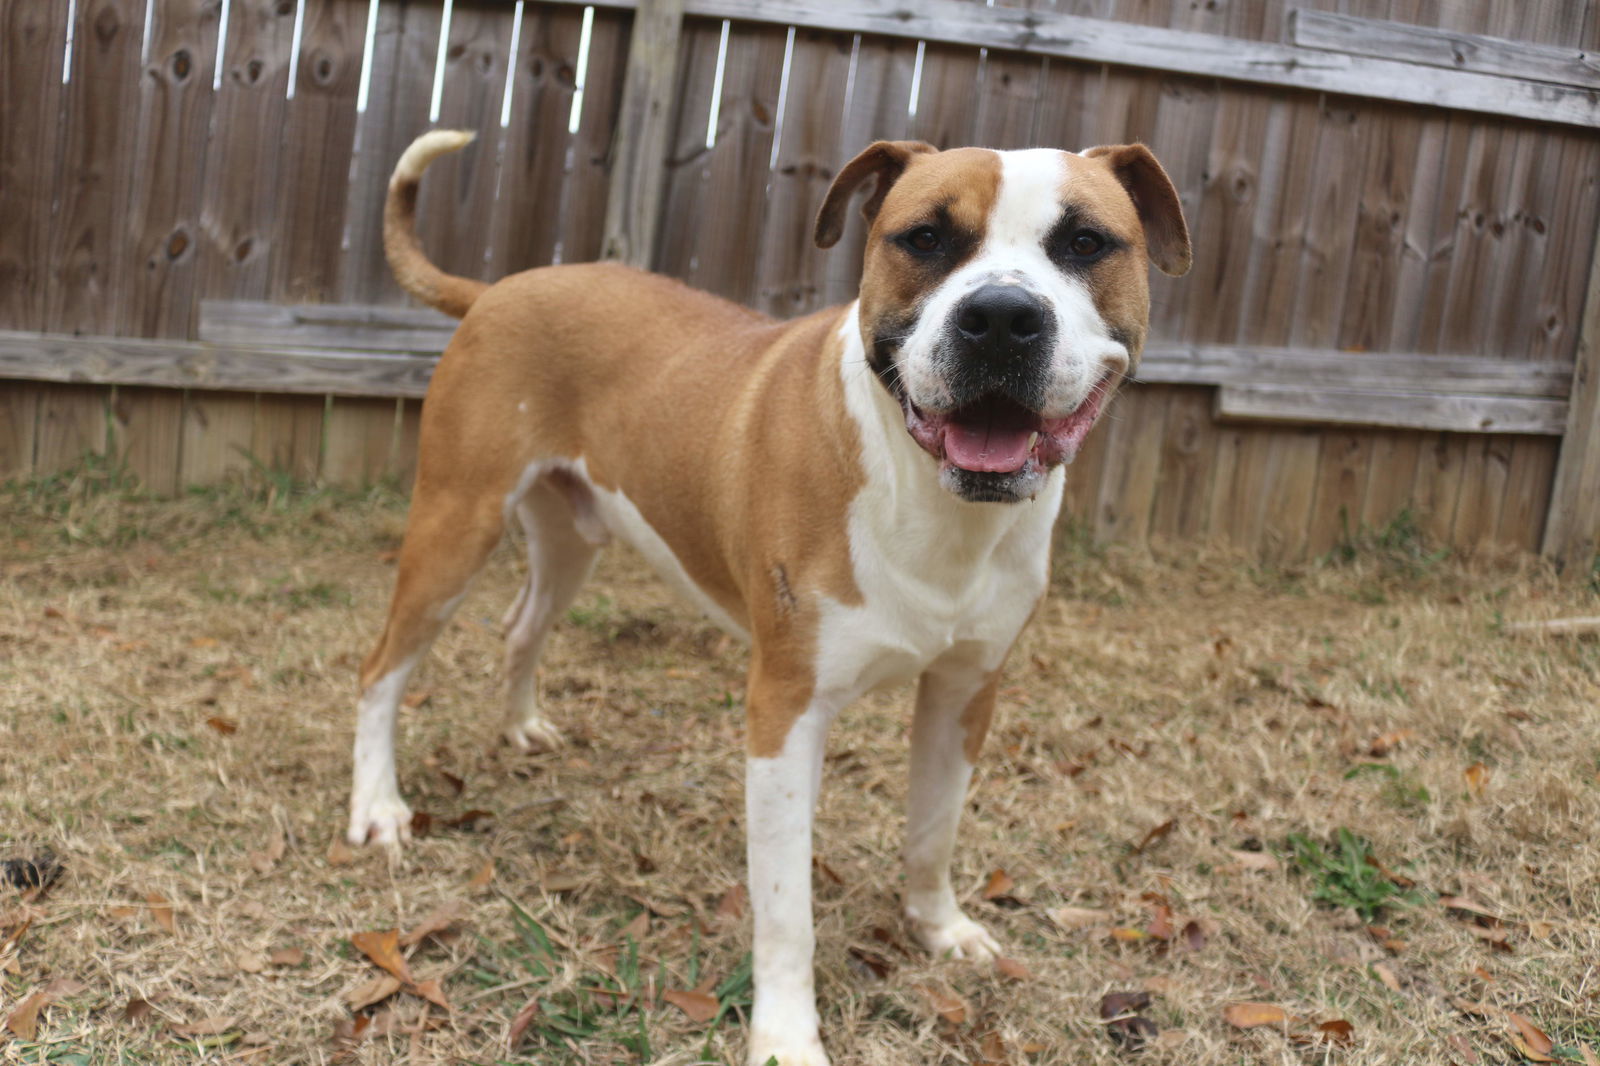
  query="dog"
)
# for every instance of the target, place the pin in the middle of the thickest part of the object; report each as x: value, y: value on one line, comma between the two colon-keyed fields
x: 865, y: 494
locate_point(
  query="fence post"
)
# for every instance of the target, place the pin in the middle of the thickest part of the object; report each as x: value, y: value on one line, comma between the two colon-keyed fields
x: 638, y: 168
x: 1572, y: 528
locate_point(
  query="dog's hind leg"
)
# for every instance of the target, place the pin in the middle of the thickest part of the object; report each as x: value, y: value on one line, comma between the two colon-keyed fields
x: 448, y: 538
x: 564, y: 536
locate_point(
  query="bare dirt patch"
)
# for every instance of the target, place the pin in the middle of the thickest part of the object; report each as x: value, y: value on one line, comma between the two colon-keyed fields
x: 1335, y: 813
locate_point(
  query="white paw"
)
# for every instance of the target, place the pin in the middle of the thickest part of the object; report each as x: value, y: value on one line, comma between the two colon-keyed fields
x: 769, y: 1048
x: 534, y: 735
x: 384, y: 821
x: 961, y: 938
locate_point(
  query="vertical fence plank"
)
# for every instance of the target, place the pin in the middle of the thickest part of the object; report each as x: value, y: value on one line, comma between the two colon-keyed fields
x: 360, y: 445
x: 456, y: 201
x: 19, y: 414
x: 88, y: 241
x: 147, y: 426
x: 639, y: 177
x: 70, y: 424
x: 722, y: 257
x: 1525, y: 499
x: 399, y: 93
x: 246, y: 149
x: 218, y: 437
x: 587, y: 196
x: 947, y: 106
x: 1395, y: 454
x: 168, y: 176
x: 33, y: 37
x: 687, y: 163
x: 1572, y: 528
x: 534, y: 167
x: 286, y: 436
x: 319, y: 133
x: 810, y: 150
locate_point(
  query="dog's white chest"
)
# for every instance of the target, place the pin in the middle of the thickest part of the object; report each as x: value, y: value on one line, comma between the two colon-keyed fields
x: 930, y: 589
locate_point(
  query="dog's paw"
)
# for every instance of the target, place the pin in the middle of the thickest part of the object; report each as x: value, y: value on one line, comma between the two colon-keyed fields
x: 768, y: 1049
x: 961, y: 938
x: 385, y: 821
x: 534, y: 734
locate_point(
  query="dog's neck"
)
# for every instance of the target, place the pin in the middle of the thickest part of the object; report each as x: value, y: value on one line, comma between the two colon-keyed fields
x: 901, y: 500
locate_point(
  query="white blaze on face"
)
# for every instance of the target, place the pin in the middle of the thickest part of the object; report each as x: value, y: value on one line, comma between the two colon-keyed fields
x: 1026, y: 210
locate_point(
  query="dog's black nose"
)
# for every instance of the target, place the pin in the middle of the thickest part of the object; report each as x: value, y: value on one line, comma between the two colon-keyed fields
x: 1002, y: 318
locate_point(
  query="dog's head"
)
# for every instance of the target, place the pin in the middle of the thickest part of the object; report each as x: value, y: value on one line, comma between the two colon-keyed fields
x: 1005, y: 295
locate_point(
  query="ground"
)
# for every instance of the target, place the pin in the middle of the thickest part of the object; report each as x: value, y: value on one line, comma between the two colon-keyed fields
x: 1344, y: 791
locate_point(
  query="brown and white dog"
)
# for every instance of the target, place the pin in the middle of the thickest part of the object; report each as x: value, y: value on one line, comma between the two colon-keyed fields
x: 865, y: 494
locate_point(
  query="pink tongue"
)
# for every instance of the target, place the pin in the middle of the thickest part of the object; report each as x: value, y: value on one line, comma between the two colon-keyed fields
x: 986, y: 448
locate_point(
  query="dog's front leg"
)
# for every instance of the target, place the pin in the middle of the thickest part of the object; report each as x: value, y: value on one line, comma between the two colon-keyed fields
x: 955, y: 701
x: 783, y: 773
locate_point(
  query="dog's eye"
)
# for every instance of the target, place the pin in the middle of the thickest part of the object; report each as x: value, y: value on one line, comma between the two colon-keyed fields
x: 923, y: 239
x: 1086, y: 244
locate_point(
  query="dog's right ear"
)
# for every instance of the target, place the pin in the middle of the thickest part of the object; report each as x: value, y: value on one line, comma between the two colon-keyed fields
x: 885, y: 160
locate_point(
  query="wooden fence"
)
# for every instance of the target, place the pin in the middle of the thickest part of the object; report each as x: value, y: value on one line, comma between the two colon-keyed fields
x: 1394, y: 206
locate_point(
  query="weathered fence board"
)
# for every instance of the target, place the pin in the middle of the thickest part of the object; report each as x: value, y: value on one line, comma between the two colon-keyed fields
x: 1428, y: 46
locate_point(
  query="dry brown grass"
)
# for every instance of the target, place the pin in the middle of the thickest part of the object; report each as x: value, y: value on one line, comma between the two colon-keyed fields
x: 1230, y: 701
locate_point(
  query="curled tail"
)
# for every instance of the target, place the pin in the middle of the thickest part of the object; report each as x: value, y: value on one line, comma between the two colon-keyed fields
x: 416, y: 274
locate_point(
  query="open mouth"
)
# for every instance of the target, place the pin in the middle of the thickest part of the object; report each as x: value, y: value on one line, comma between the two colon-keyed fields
x: 997, y: 435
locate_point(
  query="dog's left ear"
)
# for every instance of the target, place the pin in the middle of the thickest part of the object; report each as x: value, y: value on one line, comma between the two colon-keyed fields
x: 1165, y: 232
x: 885, y: 160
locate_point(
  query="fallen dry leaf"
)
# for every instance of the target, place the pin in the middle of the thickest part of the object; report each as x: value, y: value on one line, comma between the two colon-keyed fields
x: 1462, y: 903
x: 1260, y: 861
x: 1338, y: 1031
x: 999, y: 884
x: 438, y: 920
x: 875, y: 964
x: 1113, y: 1004
x: 947, y: 1005
x: 24, y: 1021
x: 137, y: 1011
x: 1250, y: 1015
x: 1385, y: 973
x: 287, y: 957
x: 1529, y: 1053
x: 1477, y: 776
x: 383, y: 948
x: 637, y: 929
x: 265, y: 860
x: 340, y: 853
x: 376, y: 990
x: 432, y: 991
x: 699, y: 1006
x: 1383, y: 745
x: 1078, y: 917
x: 226, y: 726
x: 1589, y: 1057
x: 1156, y: 835
x: 1013, y: 969
x: 733, y: 903
x: 520, y: 1023
x: 251, y: 961
x: 467, y: 821
x: 1531, y: 1034
x: 161, y: 911
x: 481, y: 879
x: 561, y: 880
